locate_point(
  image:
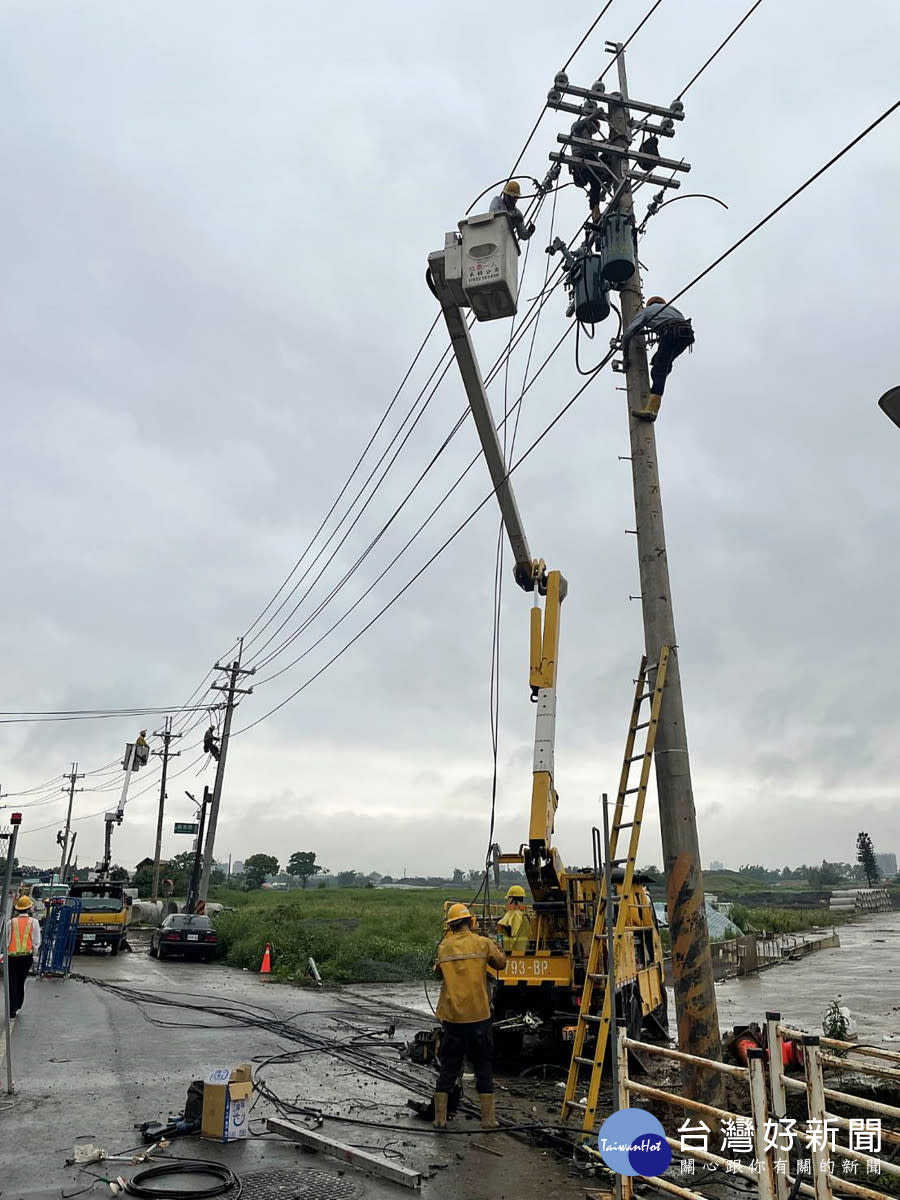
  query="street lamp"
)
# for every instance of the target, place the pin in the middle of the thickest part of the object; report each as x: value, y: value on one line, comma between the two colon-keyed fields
x: 890, y: 404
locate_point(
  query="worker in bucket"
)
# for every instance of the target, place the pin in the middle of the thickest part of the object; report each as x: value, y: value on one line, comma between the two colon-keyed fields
x: 674, y: 335
x: 141, y: 751
x: 464, y: 1011
x: 24, y: 942
x: 514, y: 926
x: 506, y: 202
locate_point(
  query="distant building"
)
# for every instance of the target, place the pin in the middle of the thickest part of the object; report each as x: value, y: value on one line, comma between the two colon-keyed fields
x: 237, y: 868
x: 146, y: 864
x: 887, y: 865
x: 715, y: 865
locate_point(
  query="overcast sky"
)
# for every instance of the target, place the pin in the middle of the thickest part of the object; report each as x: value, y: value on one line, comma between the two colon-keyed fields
x: 214, y: 229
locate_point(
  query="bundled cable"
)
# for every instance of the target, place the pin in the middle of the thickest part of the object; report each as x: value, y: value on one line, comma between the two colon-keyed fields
x: 181, y: 1167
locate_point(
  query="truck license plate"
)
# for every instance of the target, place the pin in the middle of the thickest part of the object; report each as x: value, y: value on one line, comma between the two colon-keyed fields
x: 193, y: 937
x: 89, y: 937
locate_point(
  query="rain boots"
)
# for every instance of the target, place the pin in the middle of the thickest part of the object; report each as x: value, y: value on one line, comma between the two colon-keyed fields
x: 488, y: 1116
x: 440, y: 1110
x: 651, y: 411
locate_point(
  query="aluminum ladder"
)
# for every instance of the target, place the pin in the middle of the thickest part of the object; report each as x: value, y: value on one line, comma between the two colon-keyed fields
x: 597, y: 1011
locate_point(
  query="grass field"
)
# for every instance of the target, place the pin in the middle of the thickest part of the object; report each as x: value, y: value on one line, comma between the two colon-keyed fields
x: 355, y: 935
x: 374, y: 935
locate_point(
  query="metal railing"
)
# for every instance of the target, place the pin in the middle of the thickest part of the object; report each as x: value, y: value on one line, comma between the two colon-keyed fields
x: 762, y: 1170
x: 820, y: 1120
x: 770, y: 1128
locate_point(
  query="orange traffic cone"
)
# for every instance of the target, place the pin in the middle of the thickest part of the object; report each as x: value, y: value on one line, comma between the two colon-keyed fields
x: 266, y: 968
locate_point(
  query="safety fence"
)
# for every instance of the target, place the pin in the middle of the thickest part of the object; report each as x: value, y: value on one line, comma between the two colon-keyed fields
x: 781, y: 1156
x: 58, y: 937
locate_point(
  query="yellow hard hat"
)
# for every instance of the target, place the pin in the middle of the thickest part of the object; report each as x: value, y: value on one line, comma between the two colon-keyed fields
x: 512, y: 189
x: 457, y: 912
x: 656, y: 300
x: 24, y: 903
x: 516, y: 892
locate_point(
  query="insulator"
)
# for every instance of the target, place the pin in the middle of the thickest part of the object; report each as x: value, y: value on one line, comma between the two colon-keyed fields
x: 598, y: 86
x: 561, y: 80
x: 676, y: 106
x: 553, y: 96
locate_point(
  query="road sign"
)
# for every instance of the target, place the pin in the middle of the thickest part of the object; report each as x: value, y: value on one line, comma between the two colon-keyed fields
x: 186, y: 827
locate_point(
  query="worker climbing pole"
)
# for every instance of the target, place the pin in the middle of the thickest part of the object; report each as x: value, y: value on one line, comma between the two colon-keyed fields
x: 612, y: 232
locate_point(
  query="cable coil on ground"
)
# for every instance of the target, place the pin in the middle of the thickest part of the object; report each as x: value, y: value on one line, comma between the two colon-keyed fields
x: 183, y: 1166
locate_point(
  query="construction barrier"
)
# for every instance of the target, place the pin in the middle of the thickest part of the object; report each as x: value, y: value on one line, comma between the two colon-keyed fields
x: 58, y: 937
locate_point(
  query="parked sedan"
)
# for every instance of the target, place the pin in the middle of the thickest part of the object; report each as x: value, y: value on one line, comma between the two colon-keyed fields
x: 184, y: 933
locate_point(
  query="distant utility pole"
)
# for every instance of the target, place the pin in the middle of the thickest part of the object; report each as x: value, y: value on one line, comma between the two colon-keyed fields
x: 68, y: 867
x: 166, y: 736
x: 235, y: 672
x: 193, y: 895
x: 63, y: 836
x: 695, y: 998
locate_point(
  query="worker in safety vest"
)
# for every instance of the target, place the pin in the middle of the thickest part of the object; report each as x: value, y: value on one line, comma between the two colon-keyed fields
x: 24, y: 941
x: 506, y: 202
x: 464, y: 1010
x: 674, y: 335
x: 514, y: 925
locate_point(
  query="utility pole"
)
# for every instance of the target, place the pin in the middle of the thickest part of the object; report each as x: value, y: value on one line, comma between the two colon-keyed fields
x: 63, y: 836
x: 235, y: 672
x: 695, y: 998
x: 68, y: 867
x: 193, y: 895
x: 166, y: 736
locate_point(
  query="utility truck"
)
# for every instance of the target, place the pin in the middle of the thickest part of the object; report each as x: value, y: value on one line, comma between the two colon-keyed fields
x: 539, y: 992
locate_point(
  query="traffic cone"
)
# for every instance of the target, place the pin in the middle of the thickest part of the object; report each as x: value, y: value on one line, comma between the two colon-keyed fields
x: 266, y: 968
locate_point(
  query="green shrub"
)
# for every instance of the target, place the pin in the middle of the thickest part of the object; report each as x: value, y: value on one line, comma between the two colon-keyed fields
x: 354, y: 934
x: 740, y: 916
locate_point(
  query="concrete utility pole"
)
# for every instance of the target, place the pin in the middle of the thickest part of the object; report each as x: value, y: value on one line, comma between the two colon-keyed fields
x: 695, y: 997
x: 166, y: 736
x: 64, y: 840
x: 235, y: 672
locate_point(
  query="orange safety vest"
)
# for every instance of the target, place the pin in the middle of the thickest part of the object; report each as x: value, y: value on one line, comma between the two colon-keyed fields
x: 21, y: 936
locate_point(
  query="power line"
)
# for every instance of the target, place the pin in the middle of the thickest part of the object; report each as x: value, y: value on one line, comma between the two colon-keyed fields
x: 637, y: 29
x: 787, y: 200
x: 591, y: 28
x: 410, y: 541
x: 532, y: 316
x: 249, y: 640
x: 431, y: 560
x: 459, y: 529
x: 747, y: 15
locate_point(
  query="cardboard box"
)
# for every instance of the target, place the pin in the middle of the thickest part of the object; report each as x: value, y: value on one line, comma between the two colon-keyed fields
x: 226, y: 1103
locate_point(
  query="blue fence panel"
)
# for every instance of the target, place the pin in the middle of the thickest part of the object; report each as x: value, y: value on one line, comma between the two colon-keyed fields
x: 58, y: 937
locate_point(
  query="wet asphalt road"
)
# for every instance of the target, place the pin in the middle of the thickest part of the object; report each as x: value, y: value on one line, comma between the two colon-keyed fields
x: 89, y: 1066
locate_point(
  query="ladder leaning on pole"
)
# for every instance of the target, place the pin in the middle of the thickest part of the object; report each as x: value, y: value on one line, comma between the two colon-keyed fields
x: 597, y: 1012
